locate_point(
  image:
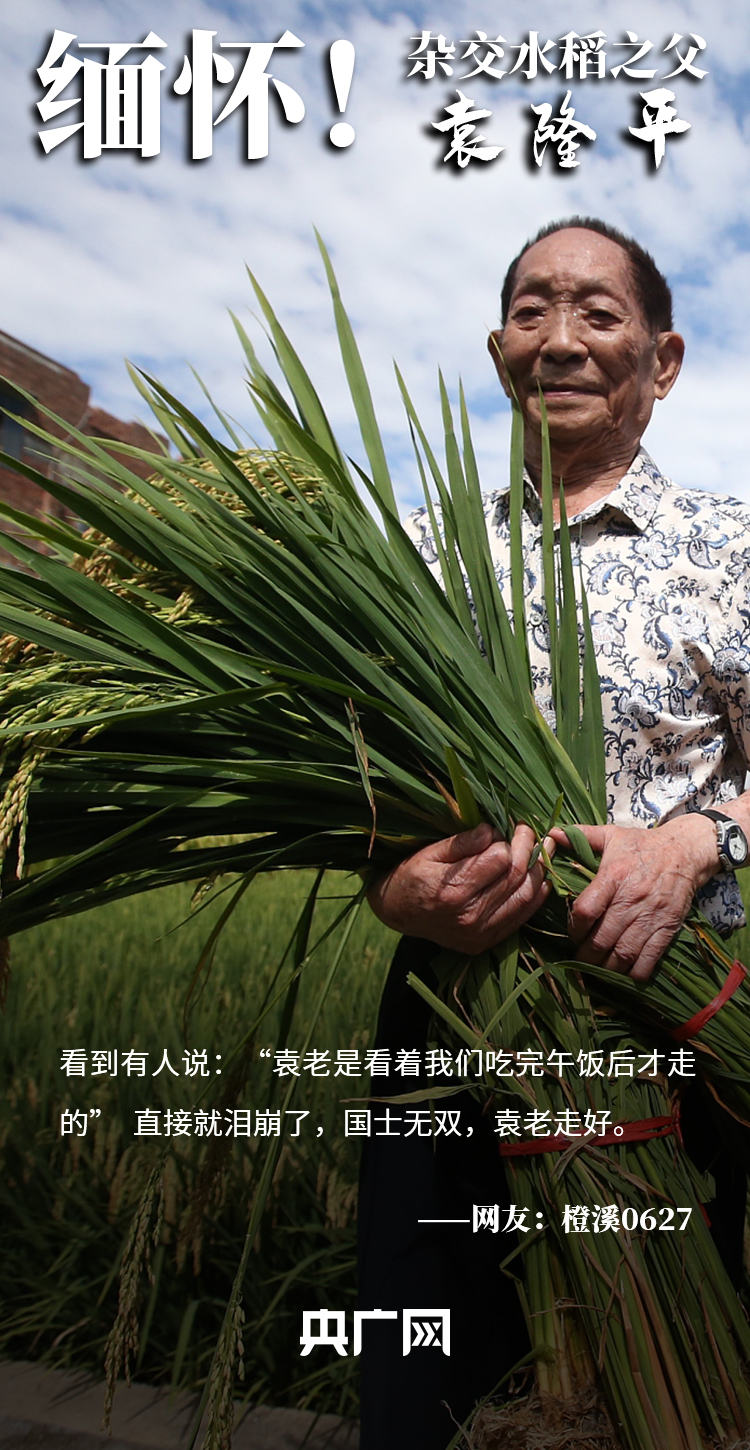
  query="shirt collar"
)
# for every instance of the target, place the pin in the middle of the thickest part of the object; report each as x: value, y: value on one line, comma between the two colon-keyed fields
x: 636, y: 497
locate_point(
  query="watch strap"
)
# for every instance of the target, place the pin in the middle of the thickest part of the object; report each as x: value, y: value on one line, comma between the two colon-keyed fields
x: 725, y: 861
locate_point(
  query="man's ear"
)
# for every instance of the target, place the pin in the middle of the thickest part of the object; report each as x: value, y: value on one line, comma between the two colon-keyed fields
x: 494, y: 347
x: 670, y: 349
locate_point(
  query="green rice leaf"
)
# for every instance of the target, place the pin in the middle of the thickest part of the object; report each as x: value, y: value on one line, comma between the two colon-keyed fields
x: 360, y: 394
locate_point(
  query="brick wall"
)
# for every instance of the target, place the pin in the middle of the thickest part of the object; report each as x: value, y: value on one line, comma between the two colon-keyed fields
x: 60, y: 389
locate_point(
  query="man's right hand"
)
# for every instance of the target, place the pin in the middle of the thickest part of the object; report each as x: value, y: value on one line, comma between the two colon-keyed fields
x: 466, y: 893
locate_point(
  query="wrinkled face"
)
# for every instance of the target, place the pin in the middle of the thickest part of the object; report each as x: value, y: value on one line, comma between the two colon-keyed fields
x: 575, y: 326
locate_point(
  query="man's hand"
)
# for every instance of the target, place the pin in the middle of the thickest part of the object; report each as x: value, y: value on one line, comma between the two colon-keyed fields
x: 467, y: 892
x: 626, y: 918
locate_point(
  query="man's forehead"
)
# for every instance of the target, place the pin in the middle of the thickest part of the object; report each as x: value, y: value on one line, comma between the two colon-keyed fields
x: 578, y: 259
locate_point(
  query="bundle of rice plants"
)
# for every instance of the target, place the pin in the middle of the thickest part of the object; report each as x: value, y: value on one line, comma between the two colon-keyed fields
x: 240, y: 670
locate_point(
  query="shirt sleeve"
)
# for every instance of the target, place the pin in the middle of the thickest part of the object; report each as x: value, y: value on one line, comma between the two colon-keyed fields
x: 419, y: 528
x: 731, y: 633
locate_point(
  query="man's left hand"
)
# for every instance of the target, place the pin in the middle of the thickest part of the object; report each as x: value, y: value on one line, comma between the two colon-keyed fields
x: 627, y: 916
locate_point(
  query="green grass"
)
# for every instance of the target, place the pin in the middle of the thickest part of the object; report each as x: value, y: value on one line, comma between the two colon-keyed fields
x: 112, y: 978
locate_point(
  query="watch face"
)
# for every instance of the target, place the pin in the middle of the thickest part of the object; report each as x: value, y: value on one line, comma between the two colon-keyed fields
x: 735, y: 845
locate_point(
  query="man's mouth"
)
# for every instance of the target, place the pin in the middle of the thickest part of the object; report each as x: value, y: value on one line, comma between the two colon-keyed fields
x: 567, y: 388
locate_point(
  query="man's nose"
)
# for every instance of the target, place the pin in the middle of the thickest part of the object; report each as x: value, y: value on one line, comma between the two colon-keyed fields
x: 563, y: 337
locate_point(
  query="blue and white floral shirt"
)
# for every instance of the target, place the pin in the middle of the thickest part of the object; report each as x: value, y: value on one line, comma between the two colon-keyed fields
x: 667, y: 577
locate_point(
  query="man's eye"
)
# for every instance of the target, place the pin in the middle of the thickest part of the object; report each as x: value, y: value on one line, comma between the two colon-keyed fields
x: 528, y: 314
x: 601, y: 317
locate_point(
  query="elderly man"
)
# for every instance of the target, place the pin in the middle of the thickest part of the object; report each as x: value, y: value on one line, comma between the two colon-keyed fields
x: 587, y: 318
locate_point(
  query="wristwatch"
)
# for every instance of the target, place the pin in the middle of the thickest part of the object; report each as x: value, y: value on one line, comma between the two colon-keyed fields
x: 731, y: 841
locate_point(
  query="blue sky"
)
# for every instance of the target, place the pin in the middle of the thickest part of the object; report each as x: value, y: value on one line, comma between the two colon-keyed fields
x: 123, y: 257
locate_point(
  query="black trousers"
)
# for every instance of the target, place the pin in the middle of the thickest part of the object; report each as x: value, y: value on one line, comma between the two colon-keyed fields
x: 414, y: 1401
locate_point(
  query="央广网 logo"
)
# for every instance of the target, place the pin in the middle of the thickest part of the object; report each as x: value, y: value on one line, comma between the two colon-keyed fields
x: 422, y: 1329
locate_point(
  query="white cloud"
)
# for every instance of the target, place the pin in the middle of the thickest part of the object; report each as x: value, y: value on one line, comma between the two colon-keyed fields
x: 119, y: 257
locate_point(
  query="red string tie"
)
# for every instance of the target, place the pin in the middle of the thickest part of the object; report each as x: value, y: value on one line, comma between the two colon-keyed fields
x: 735, y: 975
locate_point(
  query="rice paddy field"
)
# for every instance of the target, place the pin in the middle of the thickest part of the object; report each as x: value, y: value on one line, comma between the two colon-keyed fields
x: 117, y: 978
